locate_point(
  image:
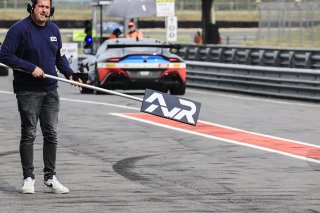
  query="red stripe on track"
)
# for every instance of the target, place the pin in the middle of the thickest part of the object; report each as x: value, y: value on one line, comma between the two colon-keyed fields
x: 239, y: 136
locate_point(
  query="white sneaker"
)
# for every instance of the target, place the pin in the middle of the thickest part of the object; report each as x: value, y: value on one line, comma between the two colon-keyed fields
x: 56, y: 186
x: 28, y: 186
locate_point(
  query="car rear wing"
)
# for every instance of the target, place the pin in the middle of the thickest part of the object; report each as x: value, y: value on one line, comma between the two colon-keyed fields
x: 171, y: 46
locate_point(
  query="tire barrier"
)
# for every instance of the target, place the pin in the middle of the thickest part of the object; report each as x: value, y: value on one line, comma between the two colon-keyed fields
x: 256, y: 56
x: 303, y: 84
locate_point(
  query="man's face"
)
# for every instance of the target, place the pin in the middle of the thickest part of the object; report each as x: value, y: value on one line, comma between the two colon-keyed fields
x: 131, y: 28
x: 41, y: 12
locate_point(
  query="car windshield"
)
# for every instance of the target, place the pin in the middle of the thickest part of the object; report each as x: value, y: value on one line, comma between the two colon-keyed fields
x: 116, y: 51
x: 143, y: 50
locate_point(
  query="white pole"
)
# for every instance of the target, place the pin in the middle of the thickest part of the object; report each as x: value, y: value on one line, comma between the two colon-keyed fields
x: 84, y: 85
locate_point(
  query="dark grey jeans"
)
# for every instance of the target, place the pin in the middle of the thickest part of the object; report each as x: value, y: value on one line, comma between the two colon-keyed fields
x: 34, y: 106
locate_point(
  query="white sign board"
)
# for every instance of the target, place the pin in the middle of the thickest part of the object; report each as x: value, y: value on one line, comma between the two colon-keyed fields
x: 171, y: 28
x: 70, y: 50
x: 165, y: 8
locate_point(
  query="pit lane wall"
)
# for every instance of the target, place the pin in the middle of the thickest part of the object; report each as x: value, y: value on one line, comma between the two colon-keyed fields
x: 286, y: 73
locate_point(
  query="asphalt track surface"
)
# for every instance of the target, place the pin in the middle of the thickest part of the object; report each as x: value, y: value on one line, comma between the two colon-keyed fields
x: 247, y: 154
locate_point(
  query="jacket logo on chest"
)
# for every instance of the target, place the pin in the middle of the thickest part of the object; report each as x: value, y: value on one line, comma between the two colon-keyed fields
x: 53, y: 38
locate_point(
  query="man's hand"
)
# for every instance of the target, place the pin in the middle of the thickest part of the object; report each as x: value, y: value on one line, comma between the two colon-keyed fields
x: 38, y: 73
x: 76, y: 86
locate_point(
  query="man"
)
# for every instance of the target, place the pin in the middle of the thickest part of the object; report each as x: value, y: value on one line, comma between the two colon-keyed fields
x: 133, y: 32
x: 33, y: 44
x: 197, y: 38
x: 115, y: 34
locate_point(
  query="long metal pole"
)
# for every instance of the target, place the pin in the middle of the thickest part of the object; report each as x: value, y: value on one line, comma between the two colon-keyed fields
x: 84, y: 85
x: 93, y: 87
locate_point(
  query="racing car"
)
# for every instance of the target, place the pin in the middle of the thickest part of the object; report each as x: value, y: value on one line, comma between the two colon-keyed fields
x: 134, y: 64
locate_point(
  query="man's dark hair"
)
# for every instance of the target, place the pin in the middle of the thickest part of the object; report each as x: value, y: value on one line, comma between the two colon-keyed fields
x: 32, y: 3
x: 117, y: 31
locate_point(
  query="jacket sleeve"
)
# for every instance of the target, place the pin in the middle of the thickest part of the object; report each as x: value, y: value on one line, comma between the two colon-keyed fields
x: 61, y: 61
x: 11, y: 47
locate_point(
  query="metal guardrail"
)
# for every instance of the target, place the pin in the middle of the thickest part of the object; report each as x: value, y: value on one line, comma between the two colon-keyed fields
x: 257, y: 56
x: 295, y: 83
x: 274, y: 72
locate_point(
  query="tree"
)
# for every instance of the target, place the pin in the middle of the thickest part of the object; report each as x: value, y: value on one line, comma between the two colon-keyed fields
x: 210, y: 31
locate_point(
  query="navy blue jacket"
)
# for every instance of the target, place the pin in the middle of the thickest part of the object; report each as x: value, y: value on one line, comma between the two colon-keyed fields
x: 28, y: 45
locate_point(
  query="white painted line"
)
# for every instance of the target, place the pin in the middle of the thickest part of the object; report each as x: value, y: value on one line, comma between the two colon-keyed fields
x: 222, y: 139
x: 191, y: 132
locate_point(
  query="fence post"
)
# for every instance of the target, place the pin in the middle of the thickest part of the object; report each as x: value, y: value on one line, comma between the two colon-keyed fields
x: 276, y: 59
x: 308, y: 61
x: 261, y: 57
x: 248, y: 57
x: 291, y: 59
